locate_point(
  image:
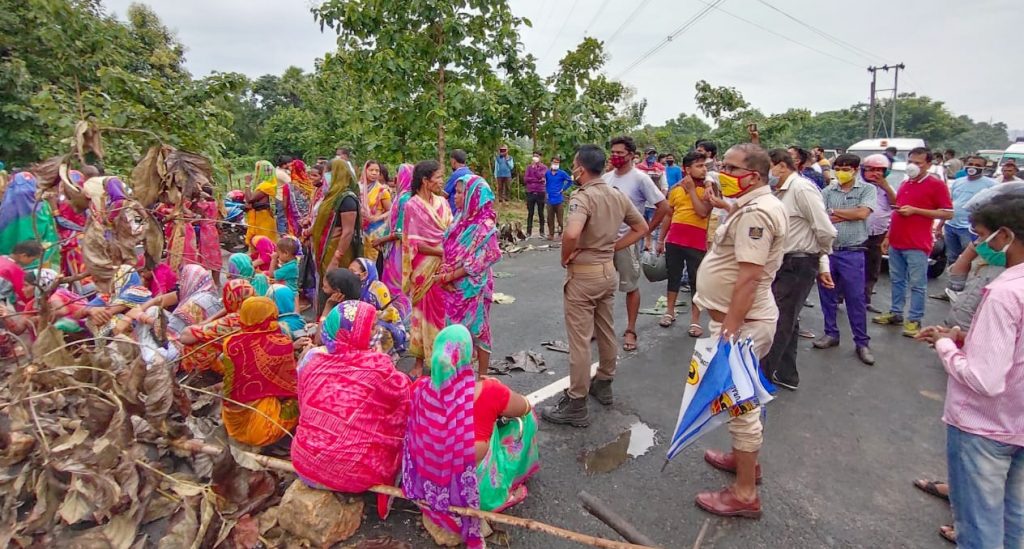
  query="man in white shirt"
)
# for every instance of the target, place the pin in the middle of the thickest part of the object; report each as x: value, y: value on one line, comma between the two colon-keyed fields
x: 641, y: 190
x: 1008, y: 173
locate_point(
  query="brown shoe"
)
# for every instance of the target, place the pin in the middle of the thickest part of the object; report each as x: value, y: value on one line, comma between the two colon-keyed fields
x: 725, y: 504
x: 726, y: 461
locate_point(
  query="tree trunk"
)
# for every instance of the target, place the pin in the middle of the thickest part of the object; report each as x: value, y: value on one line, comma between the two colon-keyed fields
x: 533, y: 129
x: 440, y: 121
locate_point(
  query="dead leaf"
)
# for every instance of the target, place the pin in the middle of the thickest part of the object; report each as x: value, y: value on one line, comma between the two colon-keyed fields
x: 75, y: 506
x: 243, y: 491
x: 246, y: 533
x: 159, y: 387
x: 182, y: 529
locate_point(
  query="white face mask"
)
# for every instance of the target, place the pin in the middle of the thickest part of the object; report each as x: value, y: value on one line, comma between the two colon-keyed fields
x: 913, y: 171
x: 536, y: 159
x: 554, y: 166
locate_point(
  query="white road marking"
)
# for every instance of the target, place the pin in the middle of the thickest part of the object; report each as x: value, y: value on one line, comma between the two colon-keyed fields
x: 546, y: 392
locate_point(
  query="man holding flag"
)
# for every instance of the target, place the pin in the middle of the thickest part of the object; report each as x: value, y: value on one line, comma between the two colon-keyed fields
x: 734, y: 284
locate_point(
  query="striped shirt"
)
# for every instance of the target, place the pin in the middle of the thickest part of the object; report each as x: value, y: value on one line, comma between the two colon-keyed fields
x: 860, y: 195
x: 985, y: 391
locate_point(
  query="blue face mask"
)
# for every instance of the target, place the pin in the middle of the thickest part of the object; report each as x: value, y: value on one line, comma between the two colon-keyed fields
x: 993, y: 257
x: 652, y: 158
x: 773, y: 180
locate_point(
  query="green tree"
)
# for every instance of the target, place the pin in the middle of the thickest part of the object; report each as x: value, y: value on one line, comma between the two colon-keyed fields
x: 718, y: 102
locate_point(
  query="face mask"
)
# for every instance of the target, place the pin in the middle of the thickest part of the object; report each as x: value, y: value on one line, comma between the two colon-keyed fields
x: 913, y: 171
x: 731, y: 185
x: 990, y: 256
x: 619, y: 161
x: 773, y: 180
x: 536, y: 159
x: 973, y: 171
x: 652, y: 158
x: 670, y: 162
x: 577, y: 173
x: 554, y: 166
x: 844, y: 177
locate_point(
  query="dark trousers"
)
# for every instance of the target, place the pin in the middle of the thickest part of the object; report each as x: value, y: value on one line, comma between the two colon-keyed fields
x: 554, y: 216
x: 847, y: 272
x: 678, y: 258
x: 872, y: 264
x: 534, y: 200
x: 791, y: 287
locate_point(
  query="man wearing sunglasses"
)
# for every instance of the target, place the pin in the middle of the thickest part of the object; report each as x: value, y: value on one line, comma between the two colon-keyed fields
x: 734, y: 284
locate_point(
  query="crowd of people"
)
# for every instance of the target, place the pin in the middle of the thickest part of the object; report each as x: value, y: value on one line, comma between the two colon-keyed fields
x: 345, y: 272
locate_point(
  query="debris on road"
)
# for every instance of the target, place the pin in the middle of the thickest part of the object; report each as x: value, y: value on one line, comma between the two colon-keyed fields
x: 557, y: 346
x: 502, y: 299
x: 524, y: 361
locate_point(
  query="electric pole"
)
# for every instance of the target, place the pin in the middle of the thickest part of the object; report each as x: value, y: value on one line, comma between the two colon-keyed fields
x: 895, y: 96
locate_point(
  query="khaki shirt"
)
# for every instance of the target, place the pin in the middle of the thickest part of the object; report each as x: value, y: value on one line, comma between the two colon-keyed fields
x: 755, y: 233
x: 810, y: 229
x: 602, y: 209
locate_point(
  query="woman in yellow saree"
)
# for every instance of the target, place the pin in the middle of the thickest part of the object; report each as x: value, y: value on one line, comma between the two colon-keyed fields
x: 260, y: 218
x: 427, y: 215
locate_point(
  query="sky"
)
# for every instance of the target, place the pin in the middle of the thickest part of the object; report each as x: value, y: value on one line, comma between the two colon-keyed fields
x: 788, y: 53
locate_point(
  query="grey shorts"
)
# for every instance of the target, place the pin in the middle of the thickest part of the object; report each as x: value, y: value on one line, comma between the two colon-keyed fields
x: 628, y: 265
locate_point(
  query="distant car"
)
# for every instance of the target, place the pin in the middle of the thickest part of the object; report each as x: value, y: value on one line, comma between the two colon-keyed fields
x: 1014, y: 152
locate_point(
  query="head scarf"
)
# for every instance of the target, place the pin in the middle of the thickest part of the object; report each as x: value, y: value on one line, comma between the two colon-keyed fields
x: 258, y: 314
x: 404, y: 178
x: 371, y: 276
x: 261, y: 357
x: 439, y: 454
x: 264, y: 249
x: 235, y: 292
x: 343, y: 184
x: 284, y: 298
x: 346, y: 282
x: 22, y: 218
x: 240, y: 266
x: 265, y: 178
x: 127, y: 288
x: 471, y: 242
x: 300, y: 177
x: 194, y: 280
x: 350, y: 326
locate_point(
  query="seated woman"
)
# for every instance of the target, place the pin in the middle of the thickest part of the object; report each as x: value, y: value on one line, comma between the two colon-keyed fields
x: 353, y: 406
x: 488, y: 473
x: 196, y: 298
x: 259, y: 373
x: 292, y: 324
x: 374, y: 292
x: 105, y: 311
x: 201, y: 344
x: 240, y: 266
x: 340, y: 285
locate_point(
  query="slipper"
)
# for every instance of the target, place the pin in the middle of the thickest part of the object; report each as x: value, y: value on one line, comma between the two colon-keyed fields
x: 695, y: 330
x: 948, y: 533
x: 931, y: 487
x: 667, y: 320
x: 626, y: 346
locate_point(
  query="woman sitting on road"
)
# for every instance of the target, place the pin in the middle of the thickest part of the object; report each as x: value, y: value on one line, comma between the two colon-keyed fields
x: 202, y: 343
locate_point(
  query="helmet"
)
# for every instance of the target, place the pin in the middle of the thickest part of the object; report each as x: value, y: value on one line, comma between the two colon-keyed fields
x: 654, y: 266
x: 876, y: 160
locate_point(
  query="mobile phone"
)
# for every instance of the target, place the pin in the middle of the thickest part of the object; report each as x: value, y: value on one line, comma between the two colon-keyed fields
x: 752, y: 127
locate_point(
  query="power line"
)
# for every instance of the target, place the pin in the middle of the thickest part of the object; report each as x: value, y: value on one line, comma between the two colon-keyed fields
x: 565, y: 20
x: 784, y: 37
x: 596, y: 16
x: 683, y: 28
x: 870, y: 57
x: 632, y: 16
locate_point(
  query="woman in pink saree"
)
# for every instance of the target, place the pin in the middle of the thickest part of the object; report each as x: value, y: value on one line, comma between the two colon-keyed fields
x: 427, y: 216
x: 391, y: 244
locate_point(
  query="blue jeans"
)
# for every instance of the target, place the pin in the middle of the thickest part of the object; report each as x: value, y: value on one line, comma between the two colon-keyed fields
x: 986, y: 489
x: 908, y: 267
x: 957, y: 241
x: 281, y: 217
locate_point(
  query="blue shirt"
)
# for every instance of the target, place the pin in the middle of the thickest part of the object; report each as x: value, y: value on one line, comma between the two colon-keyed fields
x: 503, y: 166
x: 449, y: 186
x: 963, y: 190
x: 555, y: 184
x: 673, y: 174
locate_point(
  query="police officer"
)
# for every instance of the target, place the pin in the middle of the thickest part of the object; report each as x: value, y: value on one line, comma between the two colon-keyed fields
x: 734, y: 284
x: 590, y: 240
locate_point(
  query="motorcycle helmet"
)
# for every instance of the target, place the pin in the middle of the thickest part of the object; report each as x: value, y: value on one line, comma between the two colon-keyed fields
x: 876, y: 161
x: 654, y: 266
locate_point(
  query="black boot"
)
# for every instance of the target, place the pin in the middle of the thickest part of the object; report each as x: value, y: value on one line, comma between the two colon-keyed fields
x: 601, y: 389
x: 568, y: 411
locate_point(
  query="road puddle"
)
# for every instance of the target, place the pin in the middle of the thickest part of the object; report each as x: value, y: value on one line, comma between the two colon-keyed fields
x: 632, y: 443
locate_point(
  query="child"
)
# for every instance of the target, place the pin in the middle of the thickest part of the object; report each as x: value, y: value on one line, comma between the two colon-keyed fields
x: 209, y: 237
x: 27, y: 252
x: 284, y: 265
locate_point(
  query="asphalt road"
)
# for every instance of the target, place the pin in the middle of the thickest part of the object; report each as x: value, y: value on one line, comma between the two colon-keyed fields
x: 839, y: 457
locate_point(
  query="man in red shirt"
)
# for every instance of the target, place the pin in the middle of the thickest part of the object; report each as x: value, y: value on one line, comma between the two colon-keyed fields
x: 920, y: 200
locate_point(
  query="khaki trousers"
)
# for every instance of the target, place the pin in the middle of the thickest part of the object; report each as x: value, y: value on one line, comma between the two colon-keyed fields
x: 746, y: 429
x: 588, y: 299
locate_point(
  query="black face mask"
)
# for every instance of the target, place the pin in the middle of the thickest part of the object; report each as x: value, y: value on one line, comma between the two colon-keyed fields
x: 670, y: 162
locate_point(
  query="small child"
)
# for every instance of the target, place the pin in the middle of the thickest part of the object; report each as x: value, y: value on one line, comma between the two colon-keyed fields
x: 27, y: 252
x: 284, y: 265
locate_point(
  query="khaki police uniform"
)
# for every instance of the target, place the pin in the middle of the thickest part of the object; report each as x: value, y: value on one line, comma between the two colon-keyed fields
x: 755, y: 232
x: 590, y: 281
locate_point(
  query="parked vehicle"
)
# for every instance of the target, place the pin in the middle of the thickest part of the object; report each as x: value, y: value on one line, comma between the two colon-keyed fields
x: 991, y: 157
x: 903, y: 147
x: 1014, y: 152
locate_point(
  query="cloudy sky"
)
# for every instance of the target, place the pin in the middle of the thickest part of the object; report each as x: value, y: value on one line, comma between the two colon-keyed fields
x: 788, y: 53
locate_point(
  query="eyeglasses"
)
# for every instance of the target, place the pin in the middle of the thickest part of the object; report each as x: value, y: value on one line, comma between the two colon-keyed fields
x: 729, y: 168
x: 872, y: 169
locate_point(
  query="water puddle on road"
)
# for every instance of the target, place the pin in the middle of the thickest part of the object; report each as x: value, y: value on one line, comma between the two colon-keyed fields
x: 632, y: 443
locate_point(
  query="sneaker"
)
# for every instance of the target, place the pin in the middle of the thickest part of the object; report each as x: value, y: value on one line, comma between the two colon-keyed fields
x: 888, y: 319
x: 601, y: 390
x: 785, y: 384
x: 911, y: 328
x: 568, y: 411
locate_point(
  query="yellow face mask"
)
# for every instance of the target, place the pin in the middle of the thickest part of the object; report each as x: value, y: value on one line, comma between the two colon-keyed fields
x: 731, y: 185
x: 844, y: 177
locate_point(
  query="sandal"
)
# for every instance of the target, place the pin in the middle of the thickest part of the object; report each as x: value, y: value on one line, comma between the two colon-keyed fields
x: 667, y: 320
x: 695, y: 330
x: 627, y: 346
x: 931, y: 487
x: 948, y: 532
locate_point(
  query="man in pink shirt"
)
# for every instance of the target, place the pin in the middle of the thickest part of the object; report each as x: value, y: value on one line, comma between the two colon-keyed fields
x: 984, y: 407
x: 921, y: 199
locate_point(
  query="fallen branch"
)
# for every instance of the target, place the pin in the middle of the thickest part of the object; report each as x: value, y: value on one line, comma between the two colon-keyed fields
x: 605, y: 514
x: 497, y: 518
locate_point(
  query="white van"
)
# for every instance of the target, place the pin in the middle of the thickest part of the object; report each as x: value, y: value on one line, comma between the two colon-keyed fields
x: 1014, y: 152
x: 877, y: 146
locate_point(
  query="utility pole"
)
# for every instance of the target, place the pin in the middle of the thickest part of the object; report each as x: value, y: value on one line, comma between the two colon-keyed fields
x: 895, y: 96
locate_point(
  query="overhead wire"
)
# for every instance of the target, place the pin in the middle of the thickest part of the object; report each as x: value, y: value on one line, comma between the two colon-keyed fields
x: 693, y: 20
x: 593, y: 20
x: 554, y: 40
x: 852, y: 48
x: 626, y: 21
